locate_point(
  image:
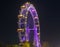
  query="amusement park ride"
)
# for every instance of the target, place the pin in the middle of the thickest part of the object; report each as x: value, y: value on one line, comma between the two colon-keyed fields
x: 28, y: 26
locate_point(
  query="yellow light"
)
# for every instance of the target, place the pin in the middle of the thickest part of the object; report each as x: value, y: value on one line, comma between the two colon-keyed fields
x: 20, y: 30
x: 27, y: 2
x: 20, y: 16
x: 23, y: 6
x: 26, y: 44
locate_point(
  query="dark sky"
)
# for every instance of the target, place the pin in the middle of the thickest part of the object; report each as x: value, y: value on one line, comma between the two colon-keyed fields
x: 49, y: 15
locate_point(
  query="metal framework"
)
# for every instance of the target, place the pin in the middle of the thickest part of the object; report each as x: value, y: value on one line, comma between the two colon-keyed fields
x: 28, y: 26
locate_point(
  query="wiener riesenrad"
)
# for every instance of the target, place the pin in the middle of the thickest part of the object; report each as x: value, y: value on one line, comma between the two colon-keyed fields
x: 28, y: 26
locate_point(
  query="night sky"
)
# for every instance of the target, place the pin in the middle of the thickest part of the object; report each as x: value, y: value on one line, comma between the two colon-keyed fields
x: 49, y: 15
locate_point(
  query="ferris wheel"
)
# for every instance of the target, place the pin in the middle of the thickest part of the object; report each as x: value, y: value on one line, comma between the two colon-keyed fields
x: 28, y: 26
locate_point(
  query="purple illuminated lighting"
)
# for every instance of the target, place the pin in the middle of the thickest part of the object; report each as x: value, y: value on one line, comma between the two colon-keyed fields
x: 34, y: 13
x: 30, y: 8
